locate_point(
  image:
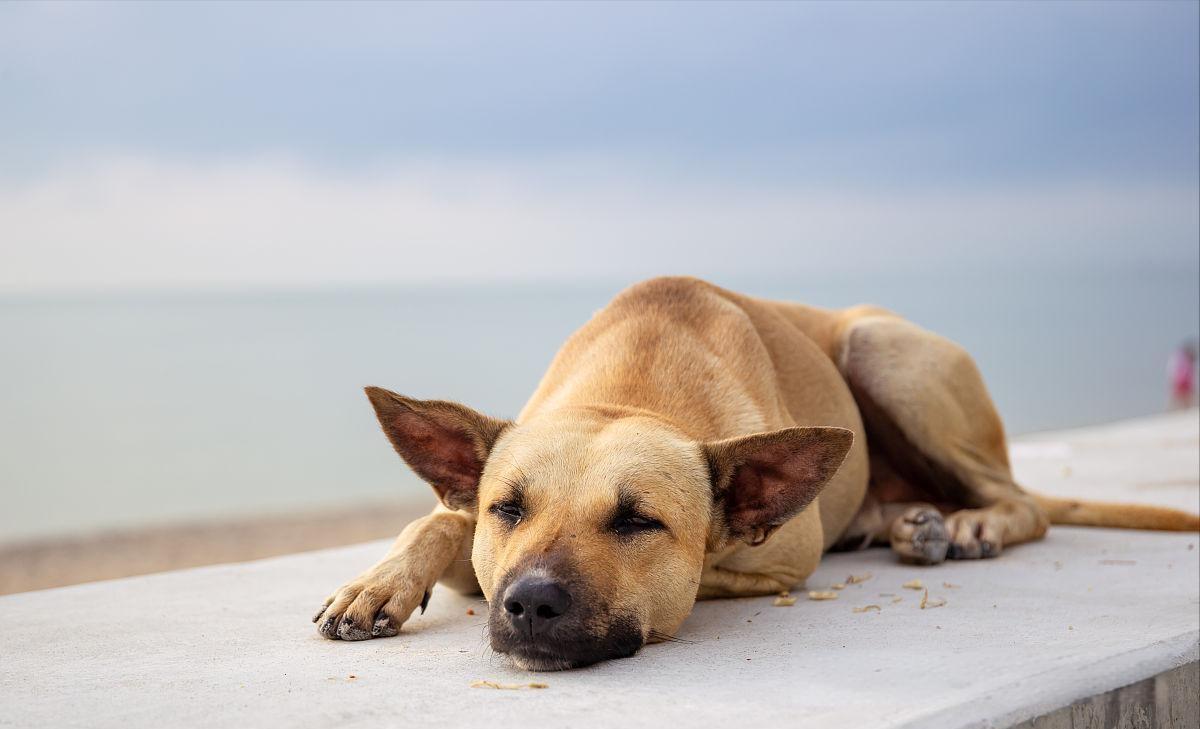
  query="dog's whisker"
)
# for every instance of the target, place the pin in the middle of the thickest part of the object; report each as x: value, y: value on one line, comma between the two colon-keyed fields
x: 667, y: 638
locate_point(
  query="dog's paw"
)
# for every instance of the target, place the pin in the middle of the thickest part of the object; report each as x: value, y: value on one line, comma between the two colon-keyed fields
x: 974, y: 534
x: 919, y: 536
x: 373, y: 606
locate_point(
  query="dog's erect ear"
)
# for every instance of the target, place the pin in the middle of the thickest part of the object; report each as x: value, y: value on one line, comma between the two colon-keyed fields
x: 760, y: 481
x: 443, y: 442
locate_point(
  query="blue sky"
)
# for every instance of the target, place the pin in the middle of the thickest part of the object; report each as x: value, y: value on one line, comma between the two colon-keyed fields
x: 369, y: 143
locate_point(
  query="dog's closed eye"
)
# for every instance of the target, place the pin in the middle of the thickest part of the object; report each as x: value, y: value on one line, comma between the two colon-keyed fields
x: 628, y: 524
x: 509, y: 512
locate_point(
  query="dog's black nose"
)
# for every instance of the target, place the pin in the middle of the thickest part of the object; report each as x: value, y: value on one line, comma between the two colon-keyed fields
x: 532, y: 603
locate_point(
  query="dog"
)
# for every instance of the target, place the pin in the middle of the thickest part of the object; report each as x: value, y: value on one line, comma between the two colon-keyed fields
x: 688, y: 443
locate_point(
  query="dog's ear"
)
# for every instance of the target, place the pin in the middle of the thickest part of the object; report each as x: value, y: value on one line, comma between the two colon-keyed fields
x: 760, y: 481
x: 445, y: 443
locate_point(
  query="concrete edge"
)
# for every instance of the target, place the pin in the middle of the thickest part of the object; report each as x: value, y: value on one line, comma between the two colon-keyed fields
x: 1170, y: 700
x: 1049, y: 691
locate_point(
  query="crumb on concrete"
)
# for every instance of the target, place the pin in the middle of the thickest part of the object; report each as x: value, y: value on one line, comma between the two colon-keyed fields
x: 936, y: 602
x: 509, y: 686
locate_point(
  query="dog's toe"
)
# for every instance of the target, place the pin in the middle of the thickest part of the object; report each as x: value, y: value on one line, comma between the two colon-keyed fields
x: 329, y: 627
x: 383, y: 627
x: 349, y: 630
x: 920, y: 536
x: 972, y: 535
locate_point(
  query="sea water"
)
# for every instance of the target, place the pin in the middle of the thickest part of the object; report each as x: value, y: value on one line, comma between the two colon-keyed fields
x: 118, y: 410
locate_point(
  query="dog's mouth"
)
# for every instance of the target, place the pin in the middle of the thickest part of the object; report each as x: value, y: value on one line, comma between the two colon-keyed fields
x: 565, y: 648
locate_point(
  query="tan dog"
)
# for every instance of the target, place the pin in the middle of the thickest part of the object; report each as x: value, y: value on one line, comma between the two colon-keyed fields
x: 673, y: 434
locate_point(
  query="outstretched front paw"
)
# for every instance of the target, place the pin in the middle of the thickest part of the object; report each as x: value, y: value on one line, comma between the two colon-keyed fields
x: 373, y: 606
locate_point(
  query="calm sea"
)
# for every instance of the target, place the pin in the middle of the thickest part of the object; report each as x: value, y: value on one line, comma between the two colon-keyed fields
x: 122, y: 410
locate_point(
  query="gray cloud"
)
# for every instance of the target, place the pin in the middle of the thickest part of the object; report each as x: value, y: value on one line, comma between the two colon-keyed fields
x: 218, y: 144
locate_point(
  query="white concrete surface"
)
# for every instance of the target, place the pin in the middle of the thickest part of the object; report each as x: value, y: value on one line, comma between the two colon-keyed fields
x: 1083, y: 612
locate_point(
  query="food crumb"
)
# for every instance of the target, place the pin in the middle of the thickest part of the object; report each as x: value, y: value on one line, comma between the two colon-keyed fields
x: 509, y: 686
x: 784, y: 600
x: 351, y: 677
x: 470, y: 611
x: 898, y: 599
x: 948, y: 586
x: 868, y: 608
x: 926, y: 603
x: 913, y: 585
x: 838, y: 586
x: 818, y: 595
x: 856, y: 579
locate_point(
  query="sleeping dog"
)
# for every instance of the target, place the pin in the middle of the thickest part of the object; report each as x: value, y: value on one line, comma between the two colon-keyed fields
x: 690, y: 442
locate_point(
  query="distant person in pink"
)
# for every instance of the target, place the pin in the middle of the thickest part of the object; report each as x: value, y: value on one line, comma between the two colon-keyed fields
x: 1182, y: 372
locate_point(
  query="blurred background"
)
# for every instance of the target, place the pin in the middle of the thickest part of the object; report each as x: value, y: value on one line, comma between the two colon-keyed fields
x: 219, y: 221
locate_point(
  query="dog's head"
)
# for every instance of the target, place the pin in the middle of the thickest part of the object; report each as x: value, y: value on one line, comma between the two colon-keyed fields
x: 593, y: 523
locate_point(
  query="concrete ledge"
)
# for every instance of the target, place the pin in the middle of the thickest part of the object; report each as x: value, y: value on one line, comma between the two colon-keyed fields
x: 1047, y: 625
x: 1170, y: 700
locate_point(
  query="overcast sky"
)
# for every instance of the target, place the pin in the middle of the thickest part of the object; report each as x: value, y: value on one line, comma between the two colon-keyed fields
x: 222, y: 144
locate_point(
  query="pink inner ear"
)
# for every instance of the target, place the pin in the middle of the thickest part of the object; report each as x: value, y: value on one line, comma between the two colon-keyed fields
x: 772, y: 486
x: 441, y: 454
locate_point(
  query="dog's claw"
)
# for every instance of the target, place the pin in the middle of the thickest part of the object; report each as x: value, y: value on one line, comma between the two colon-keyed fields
x: 329, y: 628
x: 320, y: 612
x: 425, y: 601
x: 383, y: 627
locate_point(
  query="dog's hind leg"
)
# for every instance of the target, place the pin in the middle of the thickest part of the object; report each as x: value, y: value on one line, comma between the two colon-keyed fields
x: 929, y: 415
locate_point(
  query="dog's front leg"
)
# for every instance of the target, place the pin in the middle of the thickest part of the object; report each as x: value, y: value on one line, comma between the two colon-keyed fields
x: 377, y: 602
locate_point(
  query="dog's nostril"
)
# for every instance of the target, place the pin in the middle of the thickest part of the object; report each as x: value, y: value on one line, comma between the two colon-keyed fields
x: 536, y: 599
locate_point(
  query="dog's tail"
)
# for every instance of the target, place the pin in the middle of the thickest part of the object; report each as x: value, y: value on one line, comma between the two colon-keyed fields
x: 1119, y: 516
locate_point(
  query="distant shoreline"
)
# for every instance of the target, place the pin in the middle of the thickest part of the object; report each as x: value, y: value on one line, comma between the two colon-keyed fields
x: 38, y: 564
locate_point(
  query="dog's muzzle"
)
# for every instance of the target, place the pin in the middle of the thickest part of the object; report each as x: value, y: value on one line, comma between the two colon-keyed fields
x: 545, y: 625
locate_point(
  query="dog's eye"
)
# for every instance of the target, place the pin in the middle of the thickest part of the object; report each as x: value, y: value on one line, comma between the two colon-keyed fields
x: 508, y: 511
x: 626, y: 524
